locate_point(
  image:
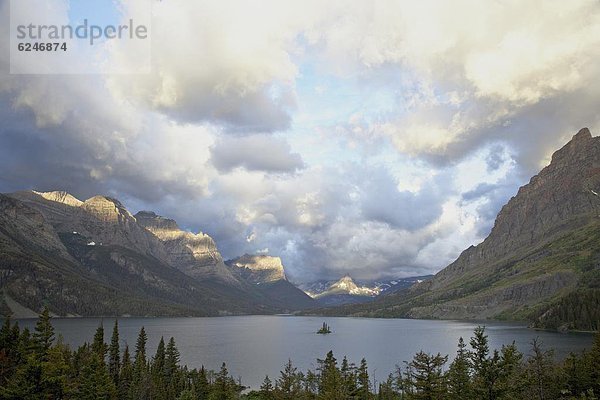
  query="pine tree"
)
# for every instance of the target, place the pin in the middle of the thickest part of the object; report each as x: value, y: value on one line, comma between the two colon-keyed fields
x: 43, y: 336
x: 223, y: 388
x: 125, y: 375
x: 459, y: 377
x: 171, y: 359
x: 201, y: 386
x: 56, y: 370
x: 172, y: 378
x: 98, y: 345
x: 158, y: 363
x: 386, y: 390
x: 96, y: 383
x: 363, y: 391
x: 140, y: 353
x: 114, y: 359
x: 510, y: 381
x: 541, y: 374
x: 427, y: 375
x: 348, y: 373
x: 140, y: 384
x: 289, y: 385
x: 158, y: 372
x: 330, y: 382
x: 266, y: 389
x: 310, y: 384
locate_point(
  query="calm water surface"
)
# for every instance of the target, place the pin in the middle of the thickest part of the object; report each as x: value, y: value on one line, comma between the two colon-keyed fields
x: 253, y: 346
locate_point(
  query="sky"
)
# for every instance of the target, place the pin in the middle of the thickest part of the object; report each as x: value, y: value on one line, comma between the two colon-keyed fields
x: 370, y: 138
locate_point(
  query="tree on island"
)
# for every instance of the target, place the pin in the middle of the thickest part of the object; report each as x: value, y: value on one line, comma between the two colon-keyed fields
x: 324, y: 329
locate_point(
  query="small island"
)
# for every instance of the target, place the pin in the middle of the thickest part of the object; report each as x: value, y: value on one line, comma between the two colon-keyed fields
x: 324, y: 329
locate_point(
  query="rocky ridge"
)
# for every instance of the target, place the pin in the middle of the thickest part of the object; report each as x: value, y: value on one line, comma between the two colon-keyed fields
x: 194, y: 254
x: 259, y: 268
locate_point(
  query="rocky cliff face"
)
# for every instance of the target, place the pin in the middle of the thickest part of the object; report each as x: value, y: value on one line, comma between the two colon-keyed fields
x: 102, y: 220
x: 194, y: 254
x: 544, y: 245
x: 259, y: 268
x: 562, y: 197
x: 28, y: 226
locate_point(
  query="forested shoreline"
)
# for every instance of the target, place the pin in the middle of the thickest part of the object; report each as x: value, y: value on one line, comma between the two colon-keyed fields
x: 39, y: 365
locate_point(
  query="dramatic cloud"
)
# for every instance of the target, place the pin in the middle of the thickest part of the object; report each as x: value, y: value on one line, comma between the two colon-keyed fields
x: 377, y: 138
x: 255, y: 153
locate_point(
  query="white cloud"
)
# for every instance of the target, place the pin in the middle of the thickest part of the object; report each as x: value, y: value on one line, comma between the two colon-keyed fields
x: 396, y: 184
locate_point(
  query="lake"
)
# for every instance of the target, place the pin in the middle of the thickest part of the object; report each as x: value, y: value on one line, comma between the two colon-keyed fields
x: 253, y: 346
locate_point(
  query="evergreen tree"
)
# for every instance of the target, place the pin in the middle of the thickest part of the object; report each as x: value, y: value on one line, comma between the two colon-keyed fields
x: 289, y: 384
x: 201, y: 385
x: 114, y: 355
x: 125, y: 375
x: 510, y: 374
x: 363, y: 391
x: 330, y: 382
x: 56, y: 371
x: 267, y: 389
x: 310, y: 385
x: 172, y: 378
x: 224, y: 387
x: 158, y: 372
x: 98, y: 345
x: 158, y: 363
x: 485, y: 368
x: 427, y: 375
x: 386, y: 390
x: 541, y: 375
x: 459, y: 376
x: 96, y: 382
x: 140, y: 383
x: 43, y: 335
x: 171, y: 359
x: 140, y: 351
x: 348, y: 373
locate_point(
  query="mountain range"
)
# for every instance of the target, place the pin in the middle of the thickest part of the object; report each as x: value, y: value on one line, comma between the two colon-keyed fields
x: 347, y: 291
x: 94, y: 257
x: 540, y: 262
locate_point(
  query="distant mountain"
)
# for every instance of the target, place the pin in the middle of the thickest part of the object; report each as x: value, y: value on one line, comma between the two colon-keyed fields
x: 347, y: 291
x: 94, y: 257
x: 541, y: 261
x: 268, y: 274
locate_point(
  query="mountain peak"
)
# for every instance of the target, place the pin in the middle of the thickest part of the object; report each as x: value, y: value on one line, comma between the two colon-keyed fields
x: 346, y: 283
x: 106, y: 208
x: 60, y: 197
x: 260, y: 268
x: 583, y: 134
x: 154, y: 222
x: 581, y: 146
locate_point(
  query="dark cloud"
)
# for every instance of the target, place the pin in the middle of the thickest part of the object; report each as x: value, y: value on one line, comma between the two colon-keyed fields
x: 383, y: 202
